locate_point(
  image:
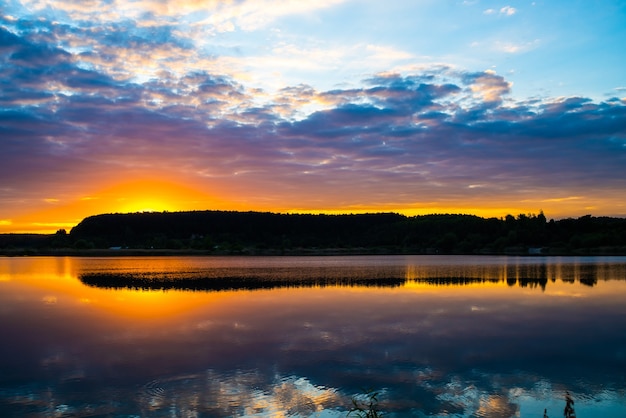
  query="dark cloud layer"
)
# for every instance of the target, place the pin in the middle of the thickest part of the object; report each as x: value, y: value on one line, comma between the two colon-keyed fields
x: 397, y: 138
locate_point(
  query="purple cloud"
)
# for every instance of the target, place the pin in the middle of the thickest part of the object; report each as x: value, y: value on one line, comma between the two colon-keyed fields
x: 396, y: 140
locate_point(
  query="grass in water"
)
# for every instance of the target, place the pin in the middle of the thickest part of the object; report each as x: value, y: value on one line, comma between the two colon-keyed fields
x: 367, y: 408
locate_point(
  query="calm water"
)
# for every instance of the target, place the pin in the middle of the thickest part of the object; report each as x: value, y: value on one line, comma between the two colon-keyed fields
x: 296, y: 336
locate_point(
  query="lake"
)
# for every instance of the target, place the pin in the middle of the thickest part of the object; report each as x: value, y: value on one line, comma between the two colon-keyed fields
x: 436, y: 336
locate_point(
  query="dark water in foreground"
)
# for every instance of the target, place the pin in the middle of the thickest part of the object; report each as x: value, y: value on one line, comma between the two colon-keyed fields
x: 303, y: 336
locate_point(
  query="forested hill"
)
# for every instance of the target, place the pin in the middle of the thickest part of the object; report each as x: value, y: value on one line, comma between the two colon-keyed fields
x: 208, y: 229
x: 261, y: 232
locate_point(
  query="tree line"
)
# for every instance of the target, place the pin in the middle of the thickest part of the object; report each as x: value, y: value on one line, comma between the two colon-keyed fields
x: 229, y: 232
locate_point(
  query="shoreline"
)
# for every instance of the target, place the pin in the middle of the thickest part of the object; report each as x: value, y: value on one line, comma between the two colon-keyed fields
x: 150, y: 252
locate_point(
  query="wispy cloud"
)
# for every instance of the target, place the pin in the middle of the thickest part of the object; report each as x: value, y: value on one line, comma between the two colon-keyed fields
x: 506, y: 11
x: 516, y: 47
x: 220, y: 15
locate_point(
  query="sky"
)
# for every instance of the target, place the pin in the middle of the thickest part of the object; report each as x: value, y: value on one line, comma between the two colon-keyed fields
x: 480, y: 107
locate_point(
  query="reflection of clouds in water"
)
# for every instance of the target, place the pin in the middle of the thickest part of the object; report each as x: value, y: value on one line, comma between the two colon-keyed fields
x: 496, y: 406
x: 49, y: 300
x: 475, y: 403
x: 54, y: 360
x: 460, y: 395
x: 240, y: 394
x: 253, y: 394
x: 206, y: 325
x: 564, y: 294
x: 485, y: 395
x: 70, y: 368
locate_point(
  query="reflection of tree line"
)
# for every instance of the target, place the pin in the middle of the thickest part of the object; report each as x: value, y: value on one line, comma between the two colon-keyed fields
x: 134, y: 281
x: 164, y: 281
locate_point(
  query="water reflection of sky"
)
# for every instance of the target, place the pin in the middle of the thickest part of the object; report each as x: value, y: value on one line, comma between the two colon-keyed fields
x: 505, y: 341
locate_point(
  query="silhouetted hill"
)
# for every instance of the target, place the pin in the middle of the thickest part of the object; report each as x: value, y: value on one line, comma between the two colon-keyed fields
x: 228, y: 232
x: 208, y: 229
x: 32, y: 241
x: 260, y: 232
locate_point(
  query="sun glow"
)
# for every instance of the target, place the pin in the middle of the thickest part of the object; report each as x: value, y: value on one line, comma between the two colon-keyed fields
x: 148, y: 195
x: 140, y: 195
x: 132, y: 194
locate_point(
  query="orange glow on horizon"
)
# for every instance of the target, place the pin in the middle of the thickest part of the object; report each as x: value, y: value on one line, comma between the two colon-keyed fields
x: 141, y: 195
x: 66, y: 288
x: 157, y: 194
x: 152, y: 196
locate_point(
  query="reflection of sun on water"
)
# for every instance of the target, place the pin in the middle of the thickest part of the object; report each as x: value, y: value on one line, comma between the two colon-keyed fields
x: 419, y: 278
x: 56, y: 281
x: 159, y: 305
x: 151, y: 304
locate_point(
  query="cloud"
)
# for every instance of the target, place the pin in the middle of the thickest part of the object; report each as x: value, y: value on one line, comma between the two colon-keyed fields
x: 94, y: 102
x: 438, y: 126
x: 506, y: 11
x: 488, y: 86
x: 221, y: 16
x: 253, y: 14
x: 516, y: 47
